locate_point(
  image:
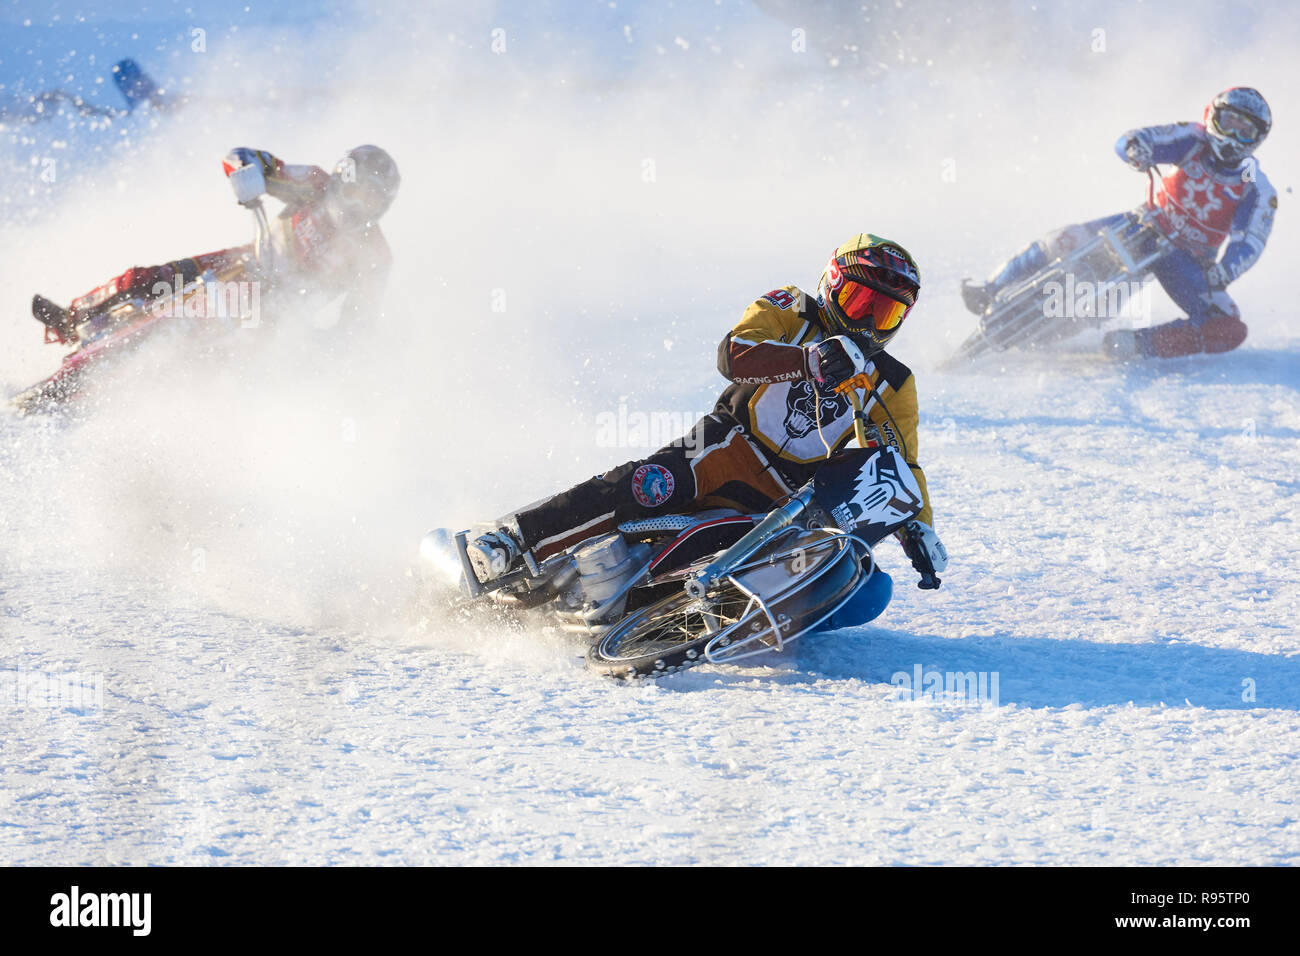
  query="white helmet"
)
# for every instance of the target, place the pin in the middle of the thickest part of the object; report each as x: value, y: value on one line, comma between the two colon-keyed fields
x: 362, y: 186
x: 1236, y: 122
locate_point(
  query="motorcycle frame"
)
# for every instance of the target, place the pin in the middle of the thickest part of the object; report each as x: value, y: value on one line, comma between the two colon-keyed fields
x: 1018, y: 309
x: 1022, y: 300
x: 722, y: 649
x: 730, y: 565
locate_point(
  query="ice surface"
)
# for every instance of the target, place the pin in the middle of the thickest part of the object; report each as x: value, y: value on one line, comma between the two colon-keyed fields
x: 211, y: 652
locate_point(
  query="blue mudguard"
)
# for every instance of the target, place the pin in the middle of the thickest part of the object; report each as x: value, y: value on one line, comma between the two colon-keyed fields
x: 866, y: 605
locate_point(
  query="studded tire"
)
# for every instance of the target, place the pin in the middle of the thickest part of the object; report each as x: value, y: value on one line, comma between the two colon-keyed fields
x: 667, y: 636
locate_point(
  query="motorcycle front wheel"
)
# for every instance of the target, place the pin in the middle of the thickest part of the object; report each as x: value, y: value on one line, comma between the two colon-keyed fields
x: 670, y: 634
x: 815, y: 574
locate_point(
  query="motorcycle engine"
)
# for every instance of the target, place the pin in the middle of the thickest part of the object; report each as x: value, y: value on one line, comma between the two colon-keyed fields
x: 605, y: 565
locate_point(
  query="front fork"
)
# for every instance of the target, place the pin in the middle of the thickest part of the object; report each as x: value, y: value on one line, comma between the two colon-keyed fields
x: 702, y: 581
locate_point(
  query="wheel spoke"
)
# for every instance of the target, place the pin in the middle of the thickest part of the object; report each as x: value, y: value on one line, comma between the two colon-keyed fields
x: 671, y: 627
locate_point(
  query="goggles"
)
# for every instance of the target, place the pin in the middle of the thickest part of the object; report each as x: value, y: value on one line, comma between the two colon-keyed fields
x: 1234, y: 125
x: 862, y: 305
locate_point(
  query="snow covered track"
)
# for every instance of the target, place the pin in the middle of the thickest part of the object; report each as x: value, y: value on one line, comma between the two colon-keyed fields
x: 210, y: 651
x: 1123, y: 609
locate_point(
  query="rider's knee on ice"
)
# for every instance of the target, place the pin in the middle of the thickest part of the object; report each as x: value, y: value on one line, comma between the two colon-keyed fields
x: 1212, y: 333
x: 1223, y: 333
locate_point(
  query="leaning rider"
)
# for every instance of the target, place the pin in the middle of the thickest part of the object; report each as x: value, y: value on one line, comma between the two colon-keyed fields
x: 1215, y: 193
x: 326, y: 237
x: 771, y: 429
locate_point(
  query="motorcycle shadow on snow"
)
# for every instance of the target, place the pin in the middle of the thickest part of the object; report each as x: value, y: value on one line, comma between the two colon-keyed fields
x: 1243, y: 366
x: 1045, y: 672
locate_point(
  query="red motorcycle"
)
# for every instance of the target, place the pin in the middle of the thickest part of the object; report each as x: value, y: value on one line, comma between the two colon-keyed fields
x: 218, y: 299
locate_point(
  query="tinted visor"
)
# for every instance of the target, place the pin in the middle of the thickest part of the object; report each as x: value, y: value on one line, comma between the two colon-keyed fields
x: 864, y: 306
x: 358, y: 202
x: 1235, y: 125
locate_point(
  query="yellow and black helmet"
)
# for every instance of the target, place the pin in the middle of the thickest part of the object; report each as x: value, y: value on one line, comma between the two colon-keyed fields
x: 868, y: 288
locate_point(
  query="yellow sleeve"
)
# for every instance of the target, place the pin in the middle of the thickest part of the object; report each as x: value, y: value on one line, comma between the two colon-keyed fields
x: 763, y: 347
x: 774, y: 317
x: 903, y: 406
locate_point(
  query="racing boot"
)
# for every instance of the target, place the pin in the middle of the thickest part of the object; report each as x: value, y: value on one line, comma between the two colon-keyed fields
x: 493, y: 554
x: 56, y: 319
x: 1122, y: 345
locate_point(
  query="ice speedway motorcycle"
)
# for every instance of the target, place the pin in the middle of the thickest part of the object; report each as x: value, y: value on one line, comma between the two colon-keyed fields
x: 666, y: 593
x: 105, y: 338
x: 1114, y: 261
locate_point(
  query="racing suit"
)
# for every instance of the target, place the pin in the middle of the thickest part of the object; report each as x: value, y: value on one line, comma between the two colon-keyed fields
x: 766, y: 436
x: 1201, y: 205
x: 310, y: 250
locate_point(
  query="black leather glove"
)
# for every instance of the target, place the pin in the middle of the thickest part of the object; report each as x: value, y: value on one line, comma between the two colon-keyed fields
x: 926, y: 552
x: 1138, y: 155
x: 832, y: 362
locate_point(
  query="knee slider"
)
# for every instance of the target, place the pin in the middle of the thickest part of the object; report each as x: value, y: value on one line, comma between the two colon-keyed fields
x: 1222, y: 333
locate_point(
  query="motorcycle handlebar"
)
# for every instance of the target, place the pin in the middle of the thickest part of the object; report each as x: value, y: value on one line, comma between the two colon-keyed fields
x: 850, y: 388
x: 262, y: 242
